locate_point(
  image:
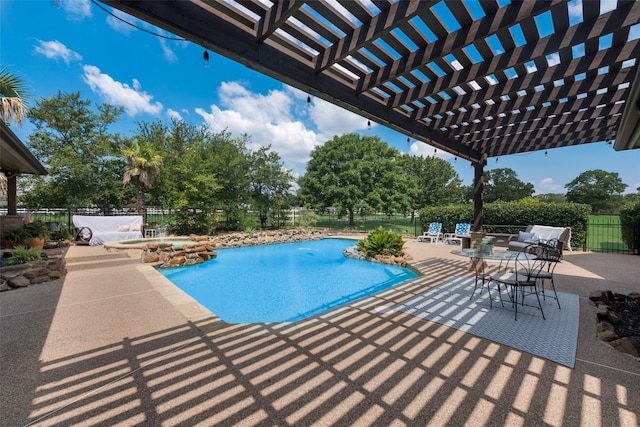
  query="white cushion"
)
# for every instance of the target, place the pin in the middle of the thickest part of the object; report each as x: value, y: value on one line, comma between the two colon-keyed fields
x: 123, y: 227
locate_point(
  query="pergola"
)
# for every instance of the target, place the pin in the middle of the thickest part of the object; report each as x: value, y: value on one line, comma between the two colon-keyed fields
x: 477, y: 79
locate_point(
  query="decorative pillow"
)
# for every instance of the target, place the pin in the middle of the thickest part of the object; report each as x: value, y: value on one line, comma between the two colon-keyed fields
x: 527, y: 237
x: 135, y: 227
x: 123, y: 227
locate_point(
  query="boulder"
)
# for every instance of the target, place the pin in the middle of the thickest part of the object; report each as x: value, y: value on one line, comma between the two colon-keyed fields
x: 19, y: 282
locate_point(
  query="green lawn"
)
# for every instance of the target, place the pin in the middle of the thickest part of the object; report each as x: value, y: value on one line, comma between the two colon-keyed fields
x: 603, y: 234
x: 399, y: 224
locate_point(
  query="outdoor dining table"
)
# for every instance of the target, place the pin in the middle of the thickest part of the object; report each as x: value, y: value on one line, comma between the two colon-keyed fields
x: 479, y: 258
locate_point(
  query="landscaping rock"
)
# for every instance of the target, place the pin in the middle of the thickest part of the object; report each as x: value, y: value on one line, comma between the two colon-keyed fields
x: 19, y: 282
x: 3, y: 285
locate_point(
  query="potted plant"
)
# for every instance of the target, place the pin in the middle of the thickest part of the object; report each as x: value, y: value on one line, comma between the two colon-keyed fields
x: 14, y: 237
x: 37, y: 232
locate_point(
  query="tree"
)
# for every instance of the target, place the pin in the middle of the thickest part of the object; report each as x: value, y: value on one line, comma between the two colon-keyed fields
x: 503, y: 184
x: 142, y: 164
x: 355, y: 173
x: 82, y: 157
x: 598, y: 188
x: 13, y: 98
x: 552, y: 197
x: 270, y: 182
x: 437, y: 182
x: 13, y: 107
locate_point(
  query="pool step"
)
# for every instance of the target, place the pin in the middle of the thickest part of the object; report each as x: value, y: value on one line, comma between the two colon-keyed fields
x: 91, y: 262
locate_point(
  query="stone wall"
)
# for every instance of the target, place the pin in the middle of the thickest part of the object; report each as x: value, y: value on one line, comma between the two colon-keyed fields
x: 40, y: 271
x: 164, y: 255
x: 355, y: 253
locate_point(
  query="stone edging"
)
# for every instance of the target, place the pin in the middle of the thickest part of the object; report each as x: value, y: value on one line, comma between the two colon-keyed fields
x: 39, y: 271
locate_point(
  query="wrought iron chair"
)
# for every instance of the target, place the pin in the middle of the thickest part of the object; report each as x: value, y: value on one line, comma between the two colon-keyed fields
x: 522, y: 280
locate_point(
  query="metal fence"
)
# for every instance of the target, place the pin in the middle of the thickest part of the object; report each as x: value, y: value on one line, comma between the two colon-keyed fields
x: 603, y: 232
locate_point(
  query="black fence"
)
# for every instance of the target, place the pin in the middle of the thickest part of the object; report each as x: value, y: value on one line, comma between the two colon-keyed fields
x: 603, y: 232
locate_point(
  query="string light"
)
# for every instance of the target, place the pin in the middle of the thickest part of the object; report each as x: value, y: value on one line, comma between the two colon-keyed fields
x: 308, y: 99
x: 369, y: 123
x: 205, y: 56
x: 546, y: 153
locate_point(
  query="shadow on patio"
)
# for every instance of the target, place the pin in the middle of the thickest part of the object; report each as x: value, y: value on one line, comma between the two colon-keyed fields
x: 111, y: 351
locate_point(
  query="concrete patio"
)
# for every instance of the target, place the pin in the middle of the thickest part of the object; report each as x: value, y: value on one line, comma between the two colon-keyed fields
x: 115, y: 343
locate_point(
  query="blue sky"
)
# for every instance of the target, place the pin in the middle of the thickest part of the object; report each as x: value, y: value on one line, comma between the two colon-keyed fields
x: 75, y: 46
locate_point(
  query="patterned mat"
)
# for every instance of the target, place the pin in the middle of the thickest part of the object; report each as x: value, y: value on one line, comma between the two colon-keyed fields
x: 554, y: 338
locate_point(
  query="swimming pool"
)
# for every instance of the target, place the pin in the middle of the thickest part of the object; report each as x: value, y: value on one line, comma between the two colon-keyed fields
x: 284, y: 282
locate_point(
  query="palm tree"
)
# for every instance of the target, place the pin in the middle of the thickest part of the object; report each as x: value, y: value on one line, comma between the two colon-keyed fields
x: 13, y: 107
x: 13, y: 97
x: 143, y: 163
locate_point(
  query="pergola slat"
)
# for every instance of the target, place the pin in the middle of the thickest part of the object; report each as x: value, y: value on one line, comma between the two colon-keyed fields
x: 396, y: 63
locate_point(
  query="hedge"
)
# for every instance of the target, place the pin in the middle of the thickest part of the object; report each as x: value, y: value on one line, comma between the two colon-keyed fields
x: 519, y: 214
x: 630, y: 220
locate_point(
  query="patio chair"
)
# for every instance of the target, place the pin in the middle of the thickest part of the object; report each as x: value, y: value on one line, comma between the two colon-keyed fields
x: 462, y: 230
x: 552, y: 257
x: 522, y: 280
x: 433, y: 233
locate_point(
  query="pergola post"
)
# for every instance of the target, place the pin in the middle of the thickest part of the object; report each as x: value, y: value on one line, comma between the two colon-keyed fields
x: 478, y: 189
x: 12, y: 193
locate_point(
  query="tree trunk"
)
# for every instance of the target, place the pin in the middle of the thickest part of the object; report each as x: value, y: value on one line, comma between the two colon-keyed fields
x: 352, y: 222
x: 140, y: 199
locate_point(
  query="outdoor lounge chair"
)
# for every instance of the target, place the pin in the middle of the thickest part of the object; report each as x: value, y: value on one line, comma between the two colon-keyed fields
x: 462, y: 230
x: 97, y: 230
x: 542, y: 234
x: 433, y: 233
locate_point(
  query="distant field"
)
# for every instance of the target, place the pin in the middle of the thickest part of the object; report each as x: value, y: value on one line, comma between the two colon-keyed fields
x: 399, y: 224
x: 603, y: 234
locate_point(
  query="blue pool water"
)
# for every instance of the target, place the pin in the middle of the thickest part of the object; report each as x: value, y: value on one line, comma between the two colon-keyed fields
x: 284, y: 282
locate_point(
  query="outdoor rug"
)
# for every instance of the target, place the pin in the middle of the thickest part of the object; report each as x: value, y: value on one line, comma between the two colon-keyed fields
x: 554, y: 338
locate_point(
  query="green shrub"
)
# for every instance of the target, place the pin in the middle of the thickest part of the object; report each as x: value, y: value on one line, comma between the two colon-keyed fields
x: 519, y: 214
x: 21, y: 255
x: 16, y: 236
x: 306, y: 220
x: 381, y: 242
x: 191, y: 221
x: 629, y: 219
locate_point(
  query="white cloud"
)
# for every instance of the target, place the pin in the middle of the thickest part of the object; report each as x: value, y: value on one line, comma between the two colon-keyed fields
x: 132, y: 99
x: 553, y: 59
x: 278, y: 119
x: 76, y: 10
x: 575, y: 11
x: 608, y: 6
x: 332, y: 120
x: 269, y: 120
x: 422, y: 149
x: 56, y: 50
x: 169, y: 54
x: 119, y: 25
x: 547, y: 185
x: 173, y: 114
